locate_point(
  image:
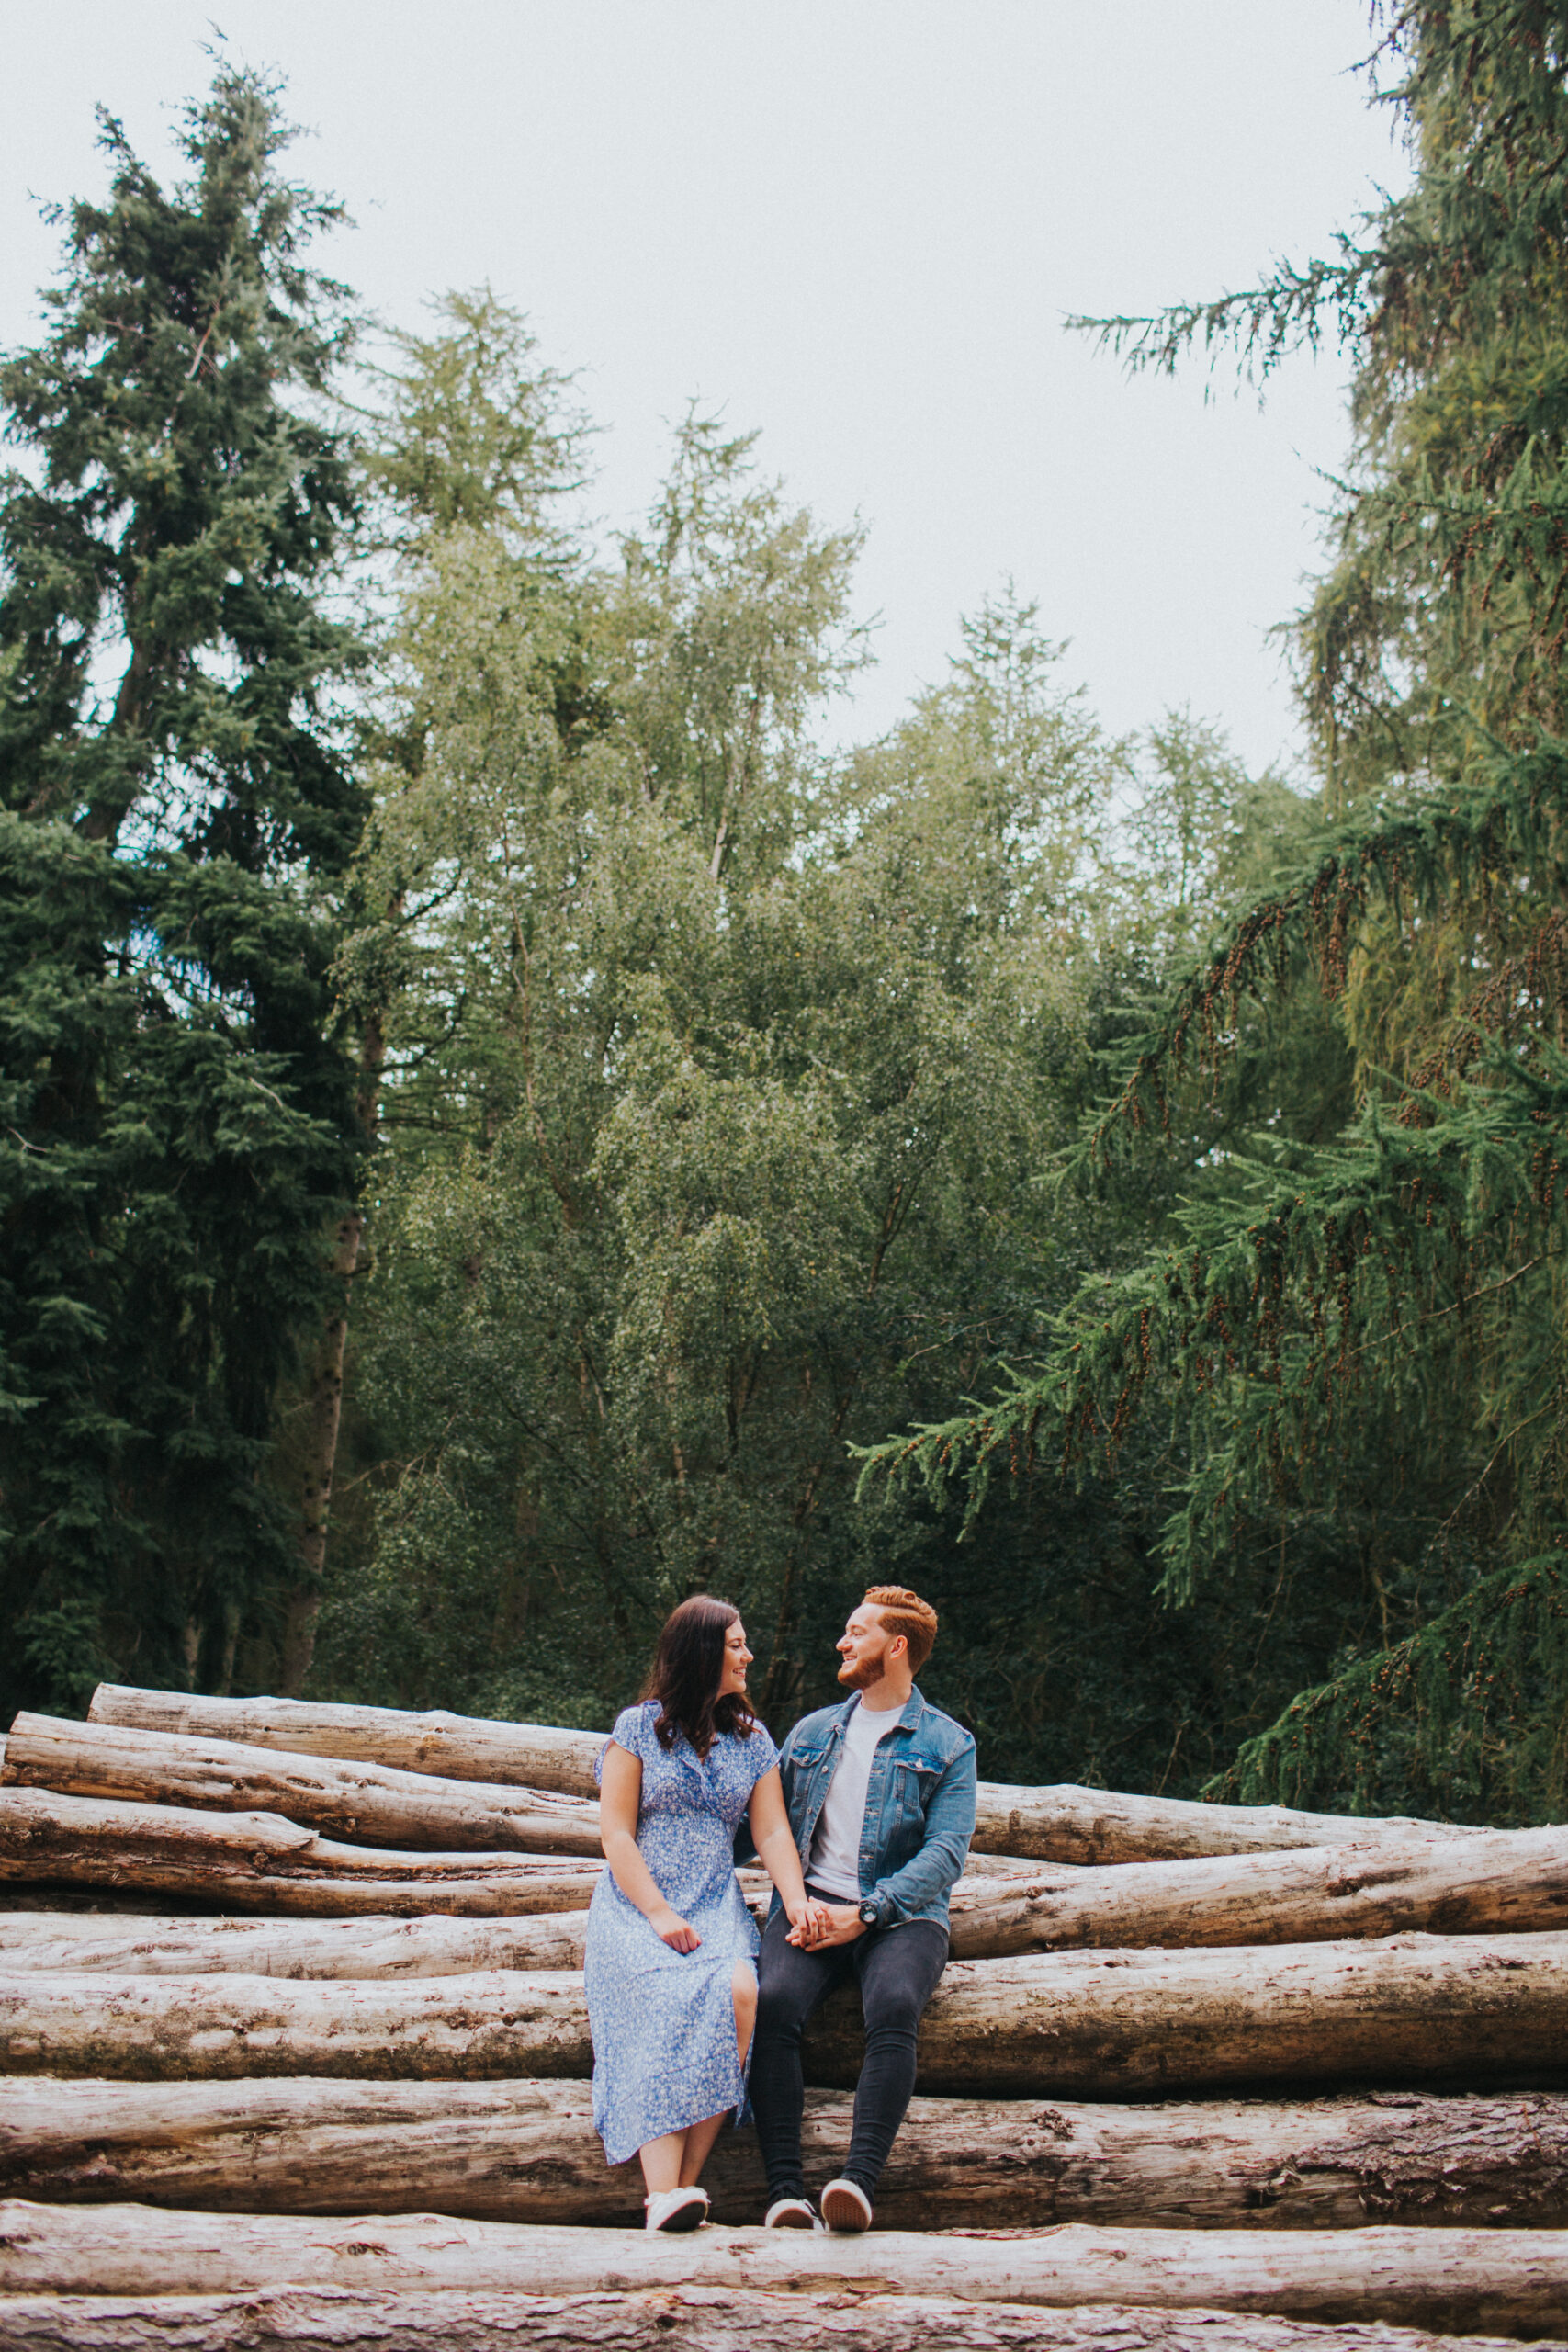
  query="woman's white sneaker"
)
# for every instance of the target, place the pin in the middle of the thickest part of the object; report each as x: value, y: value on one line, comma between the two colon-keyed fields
x: 846, y: 2206
x: 790, y: 2213
x: 677, y: 2209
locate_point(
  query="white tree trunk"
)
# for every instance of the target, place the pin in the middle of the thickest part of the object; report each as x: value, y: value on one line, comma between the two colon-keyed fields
x: 699, y: 2319
x: 1514, y: 2280
x: 527, y: 2152
x: 1512, y: 1879
x: 256, y: 1862
x: 1061, y: 1823
x: 364, y: 1803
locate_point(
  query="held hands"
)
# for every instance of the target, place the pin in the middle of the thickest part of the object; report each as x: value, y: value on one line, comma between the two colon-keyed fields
x: 670, y: 1928
x: 821, y: 1925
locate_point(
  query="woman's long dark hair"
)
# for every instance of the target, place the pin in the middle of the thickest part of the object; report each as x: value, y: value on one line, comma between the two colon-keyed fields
x: 687, y: 1667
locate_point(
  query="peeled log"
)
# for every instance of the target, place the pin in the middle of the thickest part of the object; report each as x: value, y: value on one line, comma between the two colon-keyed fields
x: 255, y: 1862
x: 154, y: 2029
x: 1057, y: 1823
x: 1514, y: 2280
x: 1469, y: 2011
x: 364, y: 1803
x: 1509, y: 1879
x: 527, y: 2152
x: 701, y: 2319
x: 37, y: 1942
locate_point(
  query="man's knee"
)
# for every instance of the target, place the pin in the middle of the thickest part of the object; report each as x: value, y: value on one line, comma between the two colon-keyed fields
x: 780, y: 2013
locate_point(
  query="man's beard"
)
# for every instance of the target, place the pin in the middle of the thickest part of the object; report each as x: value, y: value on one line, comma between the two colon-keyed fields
x: 864, y: 1677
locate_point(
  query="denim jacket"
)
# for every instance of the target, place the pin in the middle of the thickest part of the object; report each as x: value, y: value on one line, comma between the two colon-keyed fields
x: 920, y: 1805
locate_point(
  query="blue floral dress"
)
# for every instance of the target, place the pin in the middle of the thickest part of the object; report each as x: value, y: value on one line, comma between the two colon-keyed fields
x: 663, y: 2021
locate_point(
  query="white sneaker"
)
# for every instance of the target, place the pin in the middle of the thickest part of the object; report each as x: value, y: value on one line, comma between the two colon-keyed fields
x: 676, y: 2208
x: 790, y: 2213
x: 845, y: 2206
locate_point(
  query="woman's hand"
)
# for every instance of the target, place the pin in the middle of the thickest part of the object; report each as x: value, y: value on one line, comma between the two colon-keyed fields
x: 808, y: 1918
x: 670, y: 1928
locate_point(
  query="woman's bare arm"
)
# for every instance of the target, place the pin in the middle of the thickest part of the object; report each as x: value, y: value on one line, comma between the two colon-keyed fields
x: 619, y: 1791
x: 774, y: 1841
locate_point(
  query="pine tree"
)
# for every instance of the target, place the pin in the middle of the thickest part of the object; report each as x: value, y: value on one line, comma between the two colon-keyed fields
x: 1386, y: 1300
x: 176, y: 806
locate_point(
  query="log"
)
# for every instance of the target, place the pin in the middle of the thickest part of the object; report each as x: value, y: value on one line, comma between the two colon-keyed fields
x: 1466, y: 2011
x: 1513, y: 2280
x: 41, y: 1942
x: 1056, y: 1823
x: 366, y: 1804
x: 527, y: 2152
x: 255, y: 1862
x: 459, y: 1748
x: 701, y: 2319
x: 1471, y: 2012
x: 154, y: 2029
x: 1510, y: 1879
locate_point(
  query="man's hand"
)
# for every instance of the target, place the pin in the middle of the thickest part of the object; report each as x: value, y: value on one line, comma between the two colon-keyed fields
x: 844, y: 1924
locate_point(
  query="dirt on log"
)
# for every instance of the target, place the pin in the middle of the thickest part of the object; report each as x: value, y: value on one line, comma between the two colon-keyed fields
x: 701, y: 2319
x: 1508, y: 2281
x: 366, y: 1804
x: 257, y: 1862
x: 1507, y: 1881
x: 1057, y: 1823
x: 527, y: 2152
x: 1469, y: 2012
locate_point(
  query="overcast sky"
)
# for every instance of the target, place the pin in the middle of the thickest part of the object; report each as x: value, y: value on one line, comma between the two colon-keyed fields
x: 857, y: 224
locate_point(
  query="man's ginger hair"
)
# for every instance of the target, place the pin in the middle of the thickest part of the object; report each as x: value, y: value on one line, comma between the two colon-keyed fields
x: 905, y: 1612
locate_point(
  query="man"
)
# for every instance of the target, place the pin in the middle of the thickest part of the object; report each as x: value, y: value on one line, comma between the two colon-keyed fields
x: 881, y: 1798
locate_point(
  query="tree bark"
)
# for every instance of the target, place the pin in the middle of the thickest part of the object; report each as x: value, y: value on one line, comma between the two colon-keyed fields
x: 161, y: 2029
x: 526, y: 2151
x: 1061, y: 1824
x: 701, y: 2319
x: 365, y: 1803
x: 364, y: 1948
x: 1510, y: 1879
x: 460, y: 1748
x: 1512, y: 2281
x: 254, y: 1861
x: 1467, y: 2011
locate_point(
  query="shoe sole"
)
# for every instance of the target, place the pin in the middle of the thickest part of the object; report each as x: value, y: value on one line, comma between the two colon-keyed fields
x: 795, y: 2222
x: 690, y: 2217
x: 844, y: 2213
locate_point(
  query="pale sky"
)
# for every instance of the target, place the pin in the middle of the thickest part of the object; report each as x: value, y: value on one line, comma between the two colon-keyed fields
x: 857, y: 224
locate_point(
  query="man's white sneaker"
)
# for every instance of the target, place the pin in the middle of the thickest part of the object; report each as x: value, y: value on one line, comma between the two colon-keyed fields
x: 845, y: 2206
x: 677, y: 2209
x: 790, y: 2213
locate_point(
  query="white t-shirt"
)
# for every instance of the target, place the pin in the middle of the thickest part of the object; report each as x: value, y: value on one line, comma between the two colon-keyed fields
x: 834, y: 1863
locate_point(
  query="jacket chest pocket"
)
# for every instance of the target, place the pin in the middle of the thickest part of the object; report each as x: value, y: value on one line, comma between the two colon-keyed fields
x: 913, y: 1780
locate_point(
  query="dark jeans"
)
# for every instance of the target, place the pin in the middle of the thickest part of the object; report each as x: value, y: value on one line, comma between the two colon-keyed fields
x: 897, y: 1969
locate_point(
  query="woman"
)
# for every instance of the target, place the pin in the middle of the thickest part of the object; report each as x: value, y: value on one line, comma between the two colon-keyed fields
x: 671, y: 1958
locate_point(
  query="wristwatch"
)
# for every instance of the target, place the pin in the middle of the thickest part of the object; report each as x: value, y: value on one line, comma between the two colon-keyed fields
x: 869, y: 1915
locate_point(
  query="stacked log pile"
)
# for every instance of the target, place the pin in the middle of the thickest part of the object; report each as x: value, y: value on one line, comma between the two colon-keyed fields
x: 295, y: 2052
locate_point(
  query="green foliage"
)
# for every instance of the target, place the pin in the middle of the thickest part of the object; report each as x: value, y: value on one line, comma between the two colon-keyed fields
x: 177, y: 805
x: 1462, y: 1720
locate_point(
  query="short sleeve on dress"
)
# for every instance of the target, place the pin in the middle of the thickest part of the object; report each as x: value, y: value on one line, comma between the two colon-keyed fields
x: 634, y: 1732
x: 760, y: 1753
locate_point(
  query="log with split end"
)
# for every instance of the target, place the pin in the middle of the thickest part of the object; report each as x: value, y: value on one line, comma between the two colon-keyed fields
x: 1513, y: 2280
x: 363, y: 1803
x: 699, y: 2319
x: 256, y: 1862
x: 527, y: 2152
